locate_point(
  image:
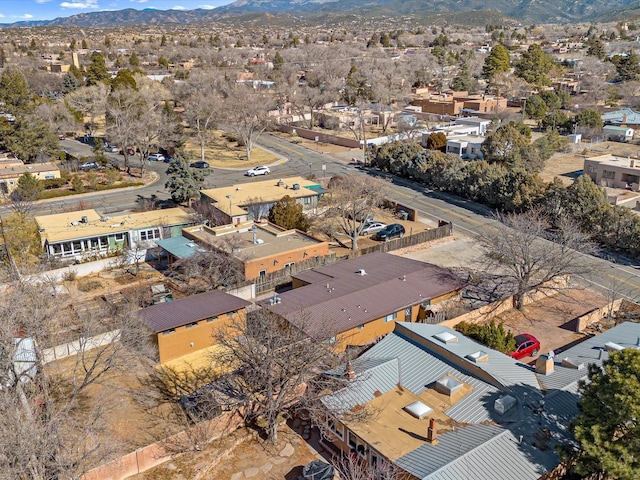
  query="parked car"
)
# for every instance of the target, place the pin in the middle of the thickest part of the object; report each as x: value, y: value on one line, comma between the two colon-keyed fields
x: 130, y: 151
x: 259, y: 170
x: 372, y: 227
x: 199, y: 164
x: 62, y: 137
x: 168, y: 159
x: 156, y: 157
x: 111, y: 149
x: 89, y: 166
x: 526, y: 346
x: 395, y: 230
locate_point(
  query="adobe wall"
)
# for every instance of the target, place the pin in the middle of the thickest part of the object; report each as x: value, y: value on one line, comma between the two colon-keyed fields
x: 155, y: 454
x: 324, y: 137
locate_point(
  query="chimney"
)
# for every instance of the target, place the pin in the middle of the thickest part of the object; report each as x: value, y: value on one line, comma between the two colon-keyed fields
x: 544, y: 365
x: 349, y: 372
x: 432, y: 433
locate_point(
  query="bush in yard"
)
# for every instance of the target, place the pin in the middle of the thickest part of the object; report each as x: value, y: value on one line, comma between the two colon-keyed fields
x: 489, y: 334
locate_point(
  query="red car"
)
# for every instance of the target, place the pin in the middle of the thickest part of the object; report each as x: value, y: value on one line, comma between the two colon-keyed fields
x: 526, y: 346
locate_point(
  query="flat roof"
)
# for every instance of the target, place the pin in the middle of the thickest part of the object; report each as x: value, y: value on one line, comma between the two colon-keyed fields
x: 265, y: 191
x: 615, y: 161
x: 66, y: 226
x: 14, y: 169
x: 270, y: 240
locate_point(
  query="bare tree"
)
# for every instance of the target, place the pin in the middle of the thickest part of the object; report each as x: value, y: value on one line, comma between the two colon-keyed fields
x: 202, y: 103
x: 529, y: 255
x: 352, y: 201
x: 90, y: 102
x: 57, y: 116
x: 49, y: 429
x: 214, y: 268
x: 352, y: 467
x: 247, y: 113
x: 274, y: 361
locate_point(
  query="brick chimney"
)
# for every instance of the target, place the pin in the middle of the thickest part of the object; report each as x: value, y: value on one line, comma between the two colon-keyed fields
x: 349, y: 372
x: 544, y: 364
x: 432, y: 432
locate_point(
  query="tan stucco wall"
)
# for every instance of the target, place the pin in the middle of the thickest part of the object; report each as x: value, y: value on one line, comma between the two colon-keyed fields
x: 178, y: 343
x: 277, y: 262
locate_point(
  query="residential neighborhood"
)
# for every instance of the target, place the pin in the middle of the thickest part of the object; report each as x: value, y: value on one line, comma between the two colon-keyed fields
x: 319, y: 242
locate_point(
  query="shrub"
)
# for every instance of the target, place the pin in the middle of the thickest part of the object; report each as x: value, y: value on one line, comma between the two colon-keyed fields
x: 51, y: 183
x: 88, y: 285
x: 489, y: 334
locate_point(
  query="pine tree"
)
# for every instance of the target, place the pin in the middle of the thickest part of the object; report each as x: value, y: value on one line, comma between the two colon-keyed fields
x: 497, y: 61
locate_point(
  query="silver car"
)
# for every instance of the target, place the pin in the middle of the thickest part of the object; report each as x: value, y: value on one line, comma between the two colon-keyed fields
x: 372, y: 227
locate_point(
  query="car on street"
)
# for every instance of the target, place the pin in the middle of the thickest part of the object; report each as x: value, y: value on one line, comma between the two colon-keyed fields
x: 130, y: 151
x: 156, y: 157
x: 372, y: 227
x: 62, y: 137
x: 199, y: 164
x: 89, y: 166
x: 259, y: 170
x: 526, y: 346
x: 111, y: 149
x: 395, y: 230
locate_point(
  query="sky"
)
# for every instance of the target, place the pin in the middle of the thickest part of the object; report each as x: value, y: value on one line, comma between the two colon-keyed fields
x: 19, y: 10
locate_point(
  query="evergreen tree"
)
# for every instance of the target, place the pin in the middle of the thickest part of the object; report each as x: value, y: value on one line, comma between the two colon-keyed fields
x: 134, y: 61
x: 97, y: 70
x: 287, y: 213
x: 184, y: 182
x: 596, y: 48
x: 15, y: 95
x: 534, y: 65
x: 70, y: 83
x: 607, y: 427
x: 627, y: 67
x: 462, y: 81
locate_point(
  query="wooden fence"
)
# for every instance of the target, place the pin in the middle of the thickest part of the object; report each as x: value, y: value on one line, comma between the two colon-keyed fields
x: 281, y: 277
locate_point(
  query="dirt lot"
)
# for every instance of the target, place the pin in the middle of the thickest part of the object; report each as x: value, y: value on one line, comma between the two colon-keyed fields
x: 552, y: 320
x: 568, y: 166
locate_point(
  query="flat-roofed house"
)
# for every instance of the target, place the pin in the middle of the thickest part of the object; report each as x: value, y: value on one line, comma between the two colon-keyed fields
x: 87, y: 234
x: 249, y: 201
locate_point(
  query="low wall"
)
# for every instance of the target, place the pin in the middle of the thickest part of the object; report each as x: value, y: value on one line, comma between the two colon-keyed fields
x: 322, y: 137
x: 82, y: 344
x: 598, y: 314
x: 494, y: 309
x: 157, y: 453
x: 79, y: 270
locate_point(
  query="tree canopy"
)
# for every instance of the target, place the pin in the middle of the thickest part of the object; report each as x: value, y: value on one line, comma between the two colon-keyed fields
x: 534, y: 65
x: 184, y: 182
x: 497, y: 61
x: 608, y: 426
x: 287, y: 213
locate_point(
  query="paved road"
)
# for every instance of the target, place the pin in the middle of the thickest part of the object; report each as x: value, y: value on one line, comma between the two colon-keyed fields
x: 469, y: 218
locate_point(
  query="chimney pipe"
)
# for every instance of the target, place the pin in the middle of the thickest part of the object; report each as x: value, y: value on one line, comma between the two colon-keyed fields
x: 349, y: 372
x: 432, y: 432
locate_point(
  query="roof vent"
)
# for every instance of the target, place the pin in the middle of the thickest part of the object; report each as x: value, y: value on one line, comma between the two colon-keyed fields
x: 418, y: 409
x: 613, y: 347
x: 361, y: 272
x: 448, y: 385
x: 503, y: 404
x: 191, y: 244
x: 478, y: 356
x: 74, y: 223
x: 104, y: 219
x: 569, y: 363
x: 84, y: 219
x: 446, y: 337
x: 296, y: 186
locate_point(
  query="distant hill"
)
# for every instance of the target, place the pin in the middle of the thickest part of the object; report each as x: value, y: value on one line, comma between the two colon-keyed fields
x: 527, y: 11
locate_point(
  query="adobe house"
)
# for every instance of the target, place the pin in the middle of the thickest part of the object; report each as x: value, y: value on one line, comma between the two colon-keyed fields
x: 357, y: 301
x: 189, y: 324
x: 613, y: 171
x: 262, y: 248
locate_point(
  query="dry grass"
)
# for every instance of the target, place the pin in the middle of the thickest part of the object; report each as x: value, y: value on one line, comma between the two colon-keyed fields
x: 225, y: 154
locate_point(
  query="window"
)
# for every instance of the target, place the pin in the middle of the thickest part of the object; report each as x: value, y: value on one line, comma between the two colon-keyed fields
x: 262, y: 273
x: 592, y: 169
x: 336, y: 428
x: 191, y: 325
x: 374, y: 458
x: 610, y: 174
x: 289, y: 265
x: 212, y: 319
x: 150, y: 234
x: 119, y: 237
x: 391, y: 317
x: 307, y: 200
x: 170, y: 331
x: 357, y: 445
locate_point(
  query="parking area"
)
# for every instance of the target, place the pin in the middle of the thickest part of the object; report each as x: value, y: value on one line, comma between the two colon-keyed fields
x: 553, y: 320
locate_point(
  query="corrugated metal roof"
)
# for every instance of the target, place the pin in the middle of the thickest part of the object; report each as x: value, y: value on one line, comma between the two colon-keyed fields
x: 164, y: 316
x: 389, y: 284
x: 179, y: 247
x: 590, y: 351
x: 625, y: 115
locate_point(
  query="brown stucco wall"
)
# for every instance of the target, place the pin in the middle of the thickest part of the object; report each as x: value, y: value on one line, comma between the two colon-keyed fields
x: 178, y: 343
x: 276, y: 262
x: 373, y: 330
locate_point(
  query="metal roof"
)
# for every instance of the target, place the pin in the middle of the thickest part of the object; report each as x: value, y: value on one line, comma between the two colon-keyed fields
x: 344, y: 295
x: 625, y: 115
x: 165, y: 316
x: 179, y: 247
x: 484, y: 444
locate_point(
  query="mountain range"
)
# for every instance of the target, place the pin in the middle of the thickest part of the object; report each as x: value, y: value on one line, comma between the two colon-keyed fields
x: 527, y: 11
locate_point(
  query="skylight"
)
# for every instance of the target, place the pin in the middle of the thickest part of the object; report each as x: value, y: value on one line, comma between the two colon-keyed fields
x: 418, y: 409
